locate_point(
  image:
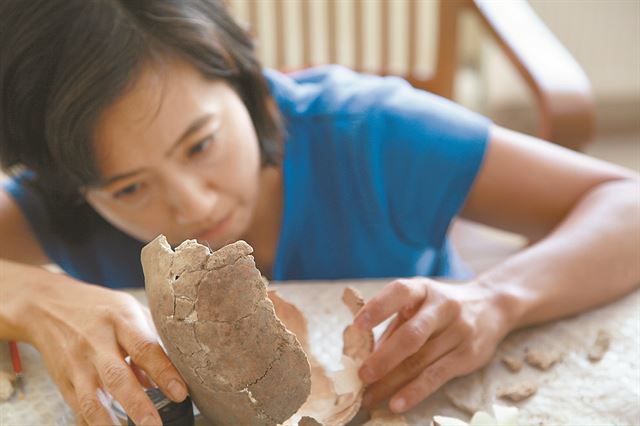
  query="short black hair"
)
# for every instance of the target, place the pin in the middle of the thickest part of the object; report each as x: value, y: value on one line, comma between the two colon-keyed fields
x: 62, y: 62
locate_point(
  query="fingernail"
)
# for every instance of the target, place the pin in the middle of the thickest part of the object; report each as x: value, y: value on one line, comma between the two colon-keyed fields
x: 177, y: 391
x: 151, y: 419
x: 367, y: 374
x: 398, y: 405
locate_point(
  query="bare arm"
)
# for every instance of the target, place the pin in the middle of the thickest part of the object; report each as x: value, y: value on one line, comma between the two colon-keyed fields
x: 584, y: 214
x: 18, y: 242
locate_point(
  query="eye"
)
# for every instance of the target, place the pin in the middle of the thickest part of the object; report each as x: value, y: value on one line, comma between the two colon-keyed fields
x: 201, y: 146
x: 128, y: 191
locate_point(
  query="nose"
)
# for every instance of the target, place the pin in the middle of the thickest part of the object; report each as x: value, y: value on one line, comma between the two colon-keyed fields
x: 191, y: 199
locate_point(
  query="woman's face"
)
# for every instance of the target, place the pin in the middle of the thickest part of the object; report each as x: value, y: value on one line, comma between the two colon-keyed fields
x: 178, y: 155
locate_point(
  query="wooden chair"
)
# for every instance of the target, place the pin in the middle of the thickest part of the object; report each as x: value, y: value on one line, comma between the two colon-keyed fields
x: 566, y: 113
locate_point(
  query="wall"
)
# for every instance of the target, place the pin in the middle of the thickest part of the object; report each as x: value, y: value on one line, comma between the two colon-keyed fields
x: 603, y: 36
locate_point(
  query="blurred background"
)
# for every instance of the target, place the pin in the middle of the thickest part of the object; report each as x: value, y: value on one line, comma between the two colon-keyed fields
x: 603, y: 36
x: 600, y: 37
x: 558, y: 43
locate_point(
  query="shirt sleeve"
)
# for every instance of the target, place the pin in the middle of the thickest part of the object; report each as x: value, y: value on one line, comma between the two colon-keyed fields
x: 31, y: 205
x: 425, y: 153
x: 107, y: 256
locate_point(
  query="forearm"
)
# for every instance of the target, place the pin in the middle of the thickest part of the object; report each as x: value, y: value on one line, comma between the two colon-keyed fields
x: 20, y: 285
x: 592, y: 257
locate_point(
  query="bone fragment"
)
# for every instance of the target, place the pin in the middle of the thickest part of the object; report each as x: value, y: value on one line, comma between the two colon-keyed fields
x: 512, y: 363
x: 518, y: 391
x: 542, y: 360
x: 221, y: 332
x: 243, y: 351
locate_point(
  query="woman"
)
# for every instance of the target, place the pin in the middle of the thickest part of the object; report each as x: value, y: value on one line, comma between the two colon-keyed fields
x: 122, y: 120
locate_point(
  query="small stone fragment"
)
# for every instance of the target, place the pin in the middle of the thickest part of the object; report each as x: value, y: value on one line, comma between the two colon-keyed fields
x: 542, y: 360
x: 518, y: 391
x: 512, y: 363
x: 6, y: 385
x: 358, y: 343
x: 600, y: 346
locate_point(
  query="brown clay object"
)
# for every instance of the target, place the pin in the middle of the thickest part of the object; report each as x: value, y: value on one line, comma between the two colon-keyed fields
x: 512, y: 363
x: 334, y: 400
x: 542, y: 360
x: 242, y: 349
x: 221, y: 332
x: 518, y: 391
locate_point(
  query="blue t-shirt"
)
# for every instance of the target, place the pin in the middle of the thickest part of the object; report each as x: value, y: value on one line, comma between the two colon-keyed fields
x: 374, y: 172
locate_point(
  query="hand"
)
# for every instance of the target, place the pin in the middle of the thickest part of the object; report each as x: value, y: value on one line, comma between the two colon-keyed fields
x: 441, y: 331
x: 84, y: 333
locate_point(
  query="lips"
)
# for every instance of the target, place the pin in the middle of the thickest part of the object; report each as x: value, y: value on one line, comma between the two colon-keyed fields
x: 217, y: 230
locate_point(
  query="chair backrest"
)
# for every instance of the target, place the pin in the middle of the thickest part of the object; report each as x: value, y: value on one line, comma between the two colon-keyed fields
x: 424, y: 34
x: 383, y: 37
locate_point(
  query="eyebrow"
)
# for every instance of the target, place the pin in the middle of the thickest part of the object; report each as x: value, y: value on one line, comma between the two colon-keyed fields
x: 193, y: 127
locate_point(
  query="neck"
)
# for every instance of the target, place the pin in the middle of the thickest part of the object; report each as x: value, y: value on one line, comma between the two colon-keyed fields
x: 264, y: 230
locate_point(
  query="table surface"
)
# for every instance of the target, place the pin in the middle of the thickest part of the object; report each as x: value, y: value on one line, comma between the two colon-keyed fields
x: 575, y: 391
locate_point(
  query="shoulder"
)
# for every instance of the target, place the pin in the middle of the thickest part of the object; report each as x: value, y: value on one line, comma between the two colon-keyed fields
x: 334, y: 92
x: 331, y: 90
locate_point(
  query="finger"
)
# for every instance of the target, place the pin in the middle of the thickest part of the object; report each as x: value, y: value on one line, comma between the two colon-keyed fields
x: 92, y: 405
x: 440, y: 345
x: 430, y: 380
x: 69, y: 394
x: 145, y: 351
x: 142, y: 377
x: 400, y: 318
x: 393, y: 326
x: 119, y: 380
x: 404, y: 342
x: 393, y: 298
x: 65, y: 386
x: 144, y: 380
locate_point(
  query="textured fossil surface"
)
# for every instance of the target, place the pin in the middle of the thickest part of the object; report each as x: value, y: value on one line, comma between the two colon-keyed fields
x: 335, y: 399
x: 220, y: 330
x: 243, y: 351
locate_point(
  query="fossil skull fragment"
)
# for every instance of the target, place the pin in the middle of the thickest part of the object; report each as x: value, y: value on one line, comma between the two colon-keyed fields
x: 245, y: 352
x: 220, y: 330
